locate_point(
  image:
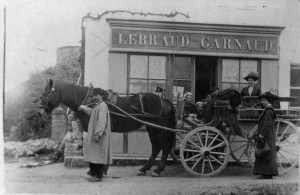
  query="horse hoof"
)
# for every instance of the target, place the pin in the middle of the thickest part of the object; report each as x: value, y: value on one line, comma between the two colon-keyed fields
x: 140, y: 173
x: 153, y: 174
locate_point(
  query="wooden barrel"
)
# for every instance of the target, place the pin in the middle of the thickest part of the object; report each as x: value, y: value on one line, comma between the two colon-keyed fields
x: 59, y: 124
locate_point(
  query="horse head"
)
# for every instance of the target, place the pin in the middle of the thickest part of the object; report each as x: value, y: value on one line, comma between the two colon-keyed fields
x: 49, y: 98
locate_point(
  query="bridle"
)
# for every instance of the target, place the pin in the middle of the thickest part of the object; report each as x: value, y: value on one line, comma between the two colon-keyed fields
x: 46, y: 104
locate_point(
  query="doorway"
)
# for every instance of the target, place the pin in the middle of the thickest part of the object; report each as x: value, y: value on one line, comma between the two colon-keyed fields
x: 206, y: 76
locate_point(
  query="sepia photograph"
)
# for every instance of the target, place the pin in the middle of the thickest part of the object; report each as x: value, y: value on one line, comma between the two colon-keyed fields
x: 131, y: 97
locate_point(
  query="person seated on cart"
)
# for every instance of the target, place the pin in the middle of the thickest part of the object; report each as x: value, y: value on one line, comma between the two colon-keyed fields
x: 251, y: 93
x: 189, y: 112
x: 214, y: 92
x: 199, y: 107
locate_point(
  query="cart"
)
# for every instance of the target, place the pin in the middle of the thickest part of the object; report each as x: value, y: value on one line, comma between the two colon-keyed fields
x: 205, y: 149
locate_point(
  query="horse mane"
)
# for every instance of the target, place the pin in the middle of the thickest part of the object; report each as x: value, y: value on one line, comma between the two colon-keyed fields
x: 70, y: 94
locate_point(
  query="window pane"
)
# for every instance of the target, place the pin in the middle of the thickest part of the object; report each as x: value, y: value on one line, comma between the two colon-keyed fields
x: 157, y: 67
x: 230, y: 71
x: 154, y: 84
x: 138, y: 66
x: 182, y: 68
x: 295, y: 92
x: 295, y: 77
x: 246, y: 67
x: 137, y: 86
x: 230, y: 86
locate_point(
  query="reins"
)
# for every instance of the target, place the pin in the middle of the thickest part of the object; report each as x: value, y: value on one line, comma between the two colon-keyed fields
x: 125, y: 114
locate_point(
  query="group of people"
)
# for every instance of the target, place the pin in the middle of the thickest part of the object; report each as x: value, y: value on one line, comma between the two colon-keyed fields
x: 264, y: 166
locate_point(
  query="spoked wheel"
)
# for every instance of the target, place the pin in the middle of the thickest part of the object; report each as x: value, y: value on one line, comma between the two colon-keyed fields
x: 175, y: 152
x: 287, y: 146
x: 204, y: 151
x: 239, y: 149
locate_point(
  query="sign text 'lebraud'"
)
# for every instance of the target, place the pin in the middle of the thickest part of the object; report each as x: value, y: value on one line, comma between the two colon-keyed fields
x: 195, y: 42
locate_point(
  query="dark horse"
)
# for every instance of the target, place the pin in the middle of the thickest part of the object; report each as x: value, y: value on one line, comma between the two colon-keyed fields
x: 147, y: 107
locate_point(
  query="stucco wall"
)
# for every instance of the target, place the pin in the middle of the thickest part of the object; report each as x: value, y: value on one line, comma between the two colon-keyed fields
x: 264, y: 13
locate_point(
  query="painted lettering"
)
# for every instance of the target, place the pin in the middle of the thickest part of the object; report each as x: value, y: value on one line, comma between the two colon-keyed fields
x: 216, y: 44
x: 121, y: 41
x: 256, y: 45
x: 185, y: 41
x: 226, y: 43
x: 238, y: 42
x: 204, y: 43
x: 142, y: 39
x: 132, y: 39
x: 268, y: 46
x: 164, y: 41
x: 152, y: 40
x: 247, y: 45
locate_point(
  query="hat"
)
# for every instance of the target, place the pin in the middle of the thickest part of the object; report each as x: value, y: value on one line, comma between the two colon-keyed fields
x: 186, y: 94
x: 252, y: 75
x: 214, y: 89
x: 98, y: 91
x: 199, y: 103
x: 269, y: 96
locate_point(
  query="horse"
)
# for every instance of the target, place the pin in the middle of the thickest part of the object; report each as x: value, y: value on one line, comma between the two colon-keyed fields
x: 147, y: 107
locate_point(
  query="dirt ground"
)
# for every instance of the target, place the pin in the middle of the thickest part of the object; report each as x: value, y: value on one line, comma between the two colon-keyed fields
x: 58, y: 179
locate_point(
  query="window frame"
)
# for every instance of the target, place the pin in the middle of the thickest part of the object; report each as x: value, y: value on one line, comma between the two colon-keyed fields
x: 146, y: 79
x: 294, y: 66
x: 240, y: 84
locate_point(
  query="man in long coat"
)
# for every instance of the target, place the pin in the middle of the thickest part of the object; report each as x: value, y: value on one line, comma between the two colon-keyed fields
x: 266, y: 166
x: 97, y: 152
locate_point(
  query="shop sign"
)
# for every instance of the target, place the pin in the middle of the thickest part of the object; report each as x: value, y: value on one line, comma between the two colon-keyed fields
x: 197, y: 42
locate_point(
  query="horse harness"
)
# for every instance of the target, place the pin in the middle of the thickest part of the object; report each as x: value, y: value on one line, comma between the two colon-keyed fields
x: 141, y: 111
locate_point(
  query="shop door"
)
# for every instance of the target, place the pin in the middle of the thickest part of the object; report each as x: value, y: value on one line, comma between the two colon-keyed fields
x: 206, y: 76
x: 182, y: 77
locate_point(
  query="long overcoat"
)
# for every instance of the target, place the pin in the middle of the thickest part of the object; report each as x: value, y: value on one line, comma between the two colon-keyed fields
x: 99, y: 124
x: 266, y: 165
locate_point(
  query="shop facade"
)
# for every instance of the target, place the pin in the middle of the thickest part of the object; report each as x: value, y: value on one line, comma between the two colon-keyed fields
x: 133, y: 54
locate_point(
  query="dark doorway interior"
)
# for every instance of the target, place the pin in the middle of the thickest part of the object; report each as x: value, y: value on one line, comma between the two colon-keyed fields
x: 206, y: 76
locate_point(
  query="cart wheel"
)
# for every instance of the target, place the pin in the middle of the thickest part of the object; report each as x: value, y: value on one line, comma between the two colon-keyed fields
x: 204, y: 151
x: 239, y: 149
x: 287, y: 146
x: 175, y: 152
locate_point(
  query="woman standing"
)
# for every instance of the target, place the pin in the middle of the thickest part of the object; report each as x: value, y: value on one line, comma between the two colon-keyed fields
x: 266, y: 165
x: 251, y: 89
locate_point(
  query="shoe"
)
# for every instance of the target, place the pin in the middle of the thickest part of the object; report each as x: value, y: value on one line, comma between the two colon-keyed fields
x: 95, y: 179
x: 265, y: 177
x: 88, y: 176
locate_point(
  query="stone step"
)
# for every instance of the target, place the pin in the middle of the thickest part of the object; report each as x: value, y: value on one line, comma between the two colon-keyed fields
x: 75, y: 161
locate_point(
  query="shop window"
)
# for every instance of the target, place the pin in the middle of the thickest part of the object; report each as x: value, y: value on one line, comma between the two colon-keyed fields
x: 234, y: 71
x: 295, y: 84
x: 147, y: 74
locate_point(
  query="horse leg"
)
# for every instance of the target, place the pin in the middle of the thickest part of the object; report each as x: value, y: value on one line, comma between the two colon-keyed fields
x: 156, y: 147
x: 166, y: 148
x: 155, y: 151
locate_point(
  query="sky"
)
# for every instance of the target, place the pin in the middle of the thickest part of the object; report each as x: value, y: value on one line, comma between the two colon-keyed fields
x: 34, y: 31
x: 36, y: 28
